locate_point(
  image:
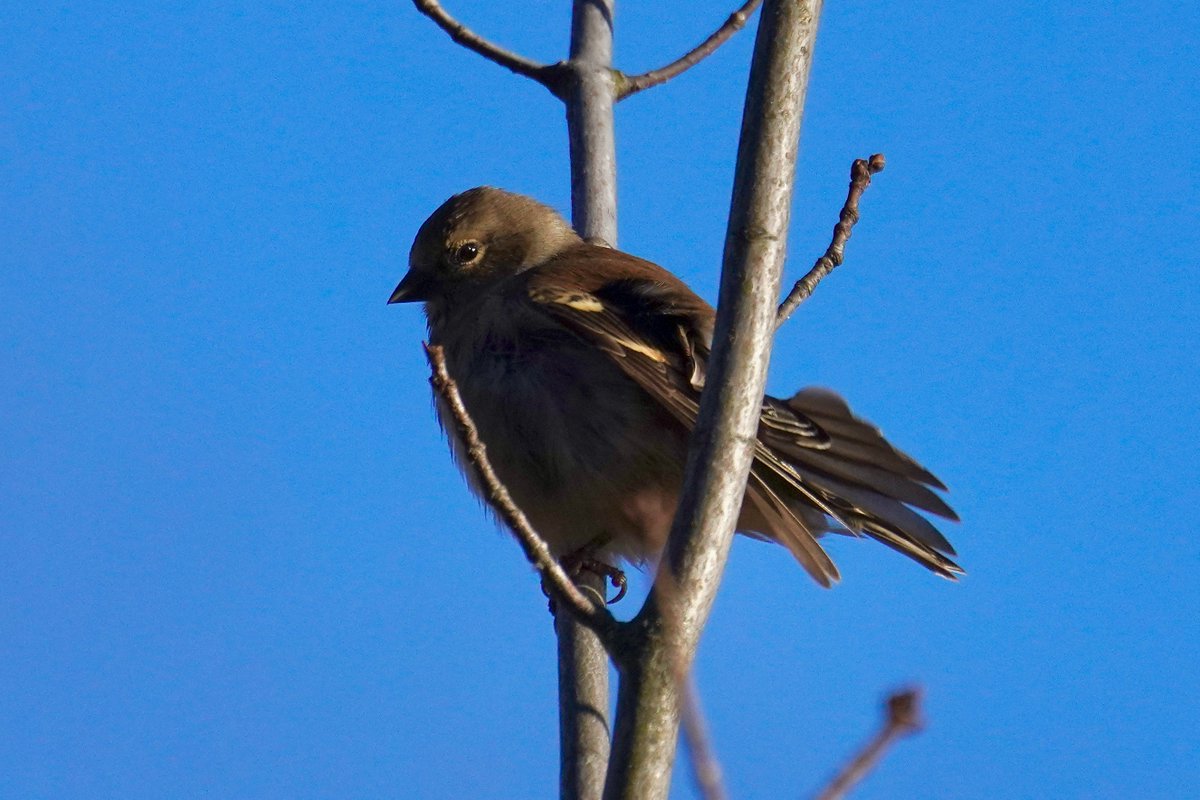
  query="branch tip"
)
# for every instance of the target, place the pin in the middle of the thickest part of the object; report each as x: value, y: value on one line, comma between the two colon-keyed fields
x: 902, y: 717
x: 860, y: 178
x: 904, y: 710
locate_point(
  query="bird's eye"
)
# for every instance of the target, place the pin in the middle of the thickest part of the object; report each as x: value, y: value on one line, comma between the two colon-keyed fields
x: 466, y: 252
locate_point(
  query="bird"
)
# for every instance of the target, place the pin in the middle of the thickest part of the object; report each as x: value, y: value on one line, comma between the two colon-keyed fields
x: 582, y: 367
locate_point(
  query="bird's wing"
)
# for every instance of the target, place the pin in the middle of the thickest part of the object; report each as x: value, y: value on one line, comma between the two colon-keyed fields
x: 659, y: 333
x: 809, y: 454
x: 626, y: 305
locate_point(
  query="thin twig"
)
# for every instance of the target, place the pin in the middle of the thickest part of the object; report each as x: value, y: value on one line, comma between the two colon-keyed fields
x: 737, y: 20
x: 860, y: 178
x: 589, y: 613
x: 902, y: 717
x: 706, y: 769
x: 461, y: 34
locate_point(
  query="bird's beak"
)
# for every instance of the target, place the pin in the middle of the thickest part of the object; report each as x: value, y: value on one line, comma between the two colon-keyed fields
x: 413, y: 288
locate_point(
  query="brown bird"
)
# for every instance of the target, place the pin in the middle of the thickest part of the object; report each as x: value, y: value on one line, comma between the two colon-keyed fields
x: 582, y: 368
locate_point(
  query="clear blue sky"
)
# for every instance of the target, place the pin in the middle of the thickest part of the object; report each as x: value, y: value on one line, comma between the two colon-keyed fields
x: 236, y: 561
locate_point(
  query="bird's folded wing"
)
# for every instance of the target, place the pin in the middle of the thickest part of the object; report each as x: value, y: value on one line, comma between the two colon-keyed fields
x: 659, y: 334
x: 810, y: 453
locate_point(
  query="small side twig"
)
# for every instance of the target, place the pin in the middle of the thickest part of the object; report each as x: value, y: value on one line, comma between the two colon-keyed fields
x: 564, y: 590
x: 706, y: 766
x: 860, y: 178
x: 902, y: 717
x: 737, y: 20
x: 461, y: 34
x: 706, y: 769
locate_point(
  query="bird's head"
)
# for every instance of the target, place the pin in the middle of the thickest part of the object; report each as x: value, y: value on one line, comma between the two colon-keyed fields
x: 476, y: 238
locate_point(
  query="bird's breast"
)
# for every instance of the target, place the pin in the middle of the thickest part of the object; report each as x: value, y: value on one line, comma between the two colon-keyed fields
x: 583, y: 449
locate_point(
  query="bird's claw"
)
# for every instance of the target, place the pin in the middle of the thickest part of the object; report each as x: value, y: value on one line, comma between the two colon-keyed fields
x: 576, y: 563
x: 614, y: 575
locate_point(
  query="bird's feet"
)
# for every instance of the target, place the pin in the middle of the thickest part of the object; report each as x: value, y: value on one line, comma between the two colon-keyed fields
x: 581, y: 560
x: 614, y: 575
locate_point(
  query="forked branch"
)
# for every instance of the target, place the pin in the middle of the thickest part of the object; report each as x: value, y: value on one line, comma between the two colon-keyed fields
x: 563, y: 589
x: 628, y: 85
x: 902, y: 717
x: 860, y: 178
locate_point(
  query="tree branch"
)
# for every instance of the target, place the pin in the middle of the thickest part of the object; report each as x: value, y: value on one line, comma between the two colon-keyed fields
x: 589, y: 612
x: 902, y: 717
x: 721, y: 449
x: 461, y: 34
x: 586, y: 88
x: 860, y: 178
x: 706, y: 769
x: 588, y: 92
x: 583, y: 734
x: 737, y: 20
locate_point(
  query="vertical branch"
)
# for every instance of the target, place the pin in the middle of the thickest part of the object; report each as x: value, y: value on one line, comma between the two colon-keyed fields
x: 589, y: 98
x: 583, y: 734
x: 721, y: 450
x: 582, y: 660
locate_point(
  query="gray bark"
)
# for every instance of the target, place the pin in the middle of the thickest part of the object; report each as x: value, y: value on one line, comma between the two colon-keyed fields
x: 582, y: 660
x: 582, y: 702
x: 590, y: 95
x: 670, y: 624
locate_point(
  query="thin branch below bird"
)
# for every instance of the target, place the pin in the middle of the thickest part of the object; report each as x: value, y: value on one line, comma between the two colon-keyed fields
x: 706, y: 769
x: 706, y: 766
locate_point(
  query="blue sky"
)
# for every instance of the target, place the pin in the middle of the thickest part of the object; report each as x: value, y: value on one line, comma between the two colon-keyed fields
x: 236, y: 561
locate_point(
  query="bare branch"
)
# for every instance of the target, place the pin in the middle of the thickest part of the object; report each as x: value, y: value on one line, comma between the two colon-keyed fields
x: 902, y: 717
x: 588, y: 89
x: 461, y: 34
x: 585, y: 85
x: 737, y: 21
x: 860, y: 178
x: 583, y: 734
x: 721, y: 450
x: 589, y: 612
x: 706, y: 769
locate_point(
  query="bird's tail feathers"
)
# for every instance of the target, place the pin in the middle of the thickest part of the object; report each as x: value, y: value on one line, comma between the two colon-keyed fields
x: 780, y: 522
x: 860, y: 481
